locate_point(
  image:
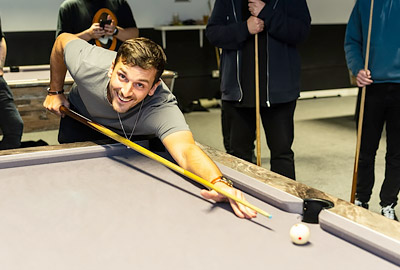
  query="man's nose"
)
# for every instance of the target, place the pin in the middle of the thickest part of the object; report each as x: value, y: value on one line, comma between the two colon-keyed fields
x: 127, y: 90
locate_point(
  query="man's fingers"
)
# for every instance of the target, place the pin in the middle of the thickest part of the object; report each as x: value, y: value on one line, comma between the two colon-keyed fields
x: 239, y: 209
x: 362, y: 81
x: 245, y: 211
x: 53, y: 103
x: 212, y: 195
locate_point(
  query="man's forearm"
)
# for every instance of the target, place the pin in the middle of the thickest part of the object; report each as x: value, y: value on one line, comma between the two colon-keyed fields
x: 58, y: 69
x: 127, y: 33
x: 3, y: 54
x: 85, y: 35
x: 189, y: 156
x: 201, y: 164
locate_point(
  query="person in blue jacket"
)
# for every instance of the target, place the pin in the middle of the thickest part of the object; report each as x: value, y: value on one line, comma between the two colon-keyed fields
x: 382, y: 101
x: 281, y: 25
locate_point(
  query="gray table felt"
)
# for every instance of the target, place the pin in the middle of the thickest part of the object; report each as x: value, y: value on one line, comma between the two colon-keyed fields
x: 129, y: 212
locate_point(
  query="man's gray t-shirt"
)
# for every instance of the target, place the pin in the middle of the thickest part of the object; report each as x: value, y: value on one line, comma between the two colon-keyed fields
x: 89, y: 65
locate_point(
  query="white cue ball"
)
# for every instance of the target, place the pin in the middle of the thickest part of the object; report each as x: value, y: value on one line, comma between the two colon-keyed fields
x: 299, y: 233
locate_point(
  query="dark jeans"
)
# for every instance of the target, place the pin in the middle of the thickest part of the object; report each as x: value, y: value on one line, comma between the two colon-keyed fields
x: 382, y: 105
x: 239, y: 132
x: 73, y: 131
x: 11, y: 123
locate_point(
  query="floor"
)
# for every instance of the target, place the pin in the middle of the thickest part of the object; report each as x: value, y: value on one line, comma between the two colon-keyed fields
x: 324, y: 145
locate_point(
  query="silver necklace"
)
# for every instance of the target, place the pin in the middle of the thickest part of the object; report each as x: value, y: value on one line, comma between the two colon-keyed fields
x: 134, y: 126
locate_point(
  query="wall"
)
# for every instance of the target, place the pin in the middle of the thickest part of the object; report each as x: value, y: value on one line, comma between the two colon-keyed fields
x: 41, y: 15
x: 330, y: 11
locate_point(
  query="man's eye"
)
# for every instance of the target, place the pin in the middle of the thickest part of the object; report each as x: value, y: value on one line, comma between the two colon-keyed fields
x: 140, y: 85
x: 122, y: 76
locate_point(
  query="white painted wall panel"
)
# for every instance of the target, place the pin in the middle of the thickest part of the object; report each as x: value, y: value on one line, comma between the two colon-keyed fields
x: 36, y: 15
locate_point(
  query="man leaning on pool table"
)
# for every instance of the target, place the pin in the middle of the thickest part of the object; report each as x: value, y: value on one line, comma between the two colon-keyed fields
x: 123, y: 92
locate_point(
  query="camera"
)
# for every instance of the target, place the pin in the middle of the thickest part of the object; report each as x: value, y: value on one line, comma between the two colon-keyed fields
x: 104, y: 22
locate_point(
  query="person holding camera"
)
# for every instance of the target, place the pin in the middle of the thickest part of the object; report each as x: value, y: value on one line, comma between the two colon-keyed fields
x: 106, y: 23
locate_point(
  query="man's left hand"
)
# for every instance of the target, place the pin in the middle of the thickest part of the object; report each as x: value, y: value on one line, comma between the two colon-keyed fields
x: 255, y: 7
x: 109, y: 28
x: 239, y: 209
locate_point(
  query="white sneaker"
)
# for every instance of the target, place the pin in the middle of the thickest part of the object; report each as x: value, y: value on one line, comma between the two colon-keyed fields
x: 362, y: 204
x: 388, y: 211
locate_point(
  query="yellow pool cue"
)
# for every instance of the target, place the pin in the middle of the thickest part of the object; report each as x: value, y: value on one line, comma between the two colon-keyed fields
x: 257, y: 84
x: 156, y: 157
x: 361, y: 112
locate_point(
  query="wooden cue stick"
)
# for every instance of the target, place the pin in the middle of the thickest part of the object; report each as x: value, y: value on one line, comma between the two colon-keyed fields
x: 361, y: 113
x: 217, y: 56
x: 156, y: 157
x: 257, y: 82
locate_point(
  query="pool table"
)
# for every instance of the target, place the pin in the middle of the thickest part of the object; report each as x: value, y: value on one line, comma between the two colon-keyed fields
x: 90, y: 206
x: 29, y: 84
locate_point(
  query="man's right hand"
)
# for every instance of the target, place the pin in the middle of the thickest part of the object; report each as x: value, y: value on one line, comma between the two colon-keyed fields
x: 95, y: 31
x: 53, y: 102
x: 255, y: 25
x: 364, y: 78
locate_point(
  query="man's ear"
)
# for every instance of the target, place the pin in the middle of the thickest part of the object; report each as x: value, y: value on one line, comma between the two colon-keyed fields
x: 153, y: 89
x: 110, y: 71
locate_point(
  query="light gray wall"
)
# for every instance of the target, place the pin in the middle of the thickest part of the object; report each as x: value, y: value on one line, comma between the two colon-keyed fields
x: 36, y: 15
x: 330, y: 11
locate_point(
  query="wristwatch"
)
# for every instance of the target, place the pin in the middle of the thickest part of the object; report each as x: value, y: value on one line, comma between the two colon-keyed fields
x: 223, y: 179
x: 51, y: 93
x: 116, y: 30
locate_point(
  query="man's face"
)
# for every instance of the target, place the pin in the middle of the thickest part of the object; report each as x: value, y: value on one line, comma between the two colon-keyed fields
x: 129, y: 85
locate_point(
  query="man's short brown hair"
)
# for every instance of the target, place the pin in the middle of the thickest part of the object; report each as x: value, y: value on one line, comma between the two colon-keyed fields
x: 144, y: 53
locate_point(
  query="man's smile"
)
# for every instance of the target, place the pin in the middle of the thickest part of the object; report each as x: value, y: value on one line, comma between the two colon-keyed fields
x: 123, y: 99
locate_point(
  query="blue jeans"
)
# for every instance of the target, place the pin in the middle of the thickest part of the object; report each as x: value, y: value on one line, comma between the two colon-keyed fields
x: 11, y: 123
x: 382, y: 106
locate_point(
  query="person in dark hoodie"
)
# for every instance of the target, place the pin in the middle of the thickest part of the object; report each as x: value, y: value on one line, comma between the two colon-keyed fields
x: 11, y: 123
x: 281, y: 26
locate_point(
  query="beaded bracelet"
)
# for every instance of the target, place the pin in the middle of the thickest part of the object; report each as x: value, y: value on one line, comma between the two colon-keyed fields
x: 222, y: 179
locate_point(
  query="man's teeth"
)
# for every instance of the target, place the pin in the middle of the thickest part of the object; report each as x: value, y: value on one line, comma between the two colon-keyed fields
x: 122, y: 98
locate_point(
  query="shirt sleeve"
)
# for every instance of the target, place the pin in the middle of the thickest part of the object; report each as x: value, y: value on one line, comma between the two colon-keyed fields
x: 353, y: 43
x: 78, y: 53
x: 125, y: 16
x: 289, y: 23
x: 64, y: 20
x: 225, y: 28
x: 174, y: 121
x: 162, y: 115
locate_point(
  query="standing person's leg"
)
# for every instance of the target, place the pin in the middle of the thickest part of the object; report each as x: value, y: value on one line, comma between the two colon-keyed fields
x: 391, y: 184
x: 241, y: 130
x: 11, y: 123
x: 226, y: 127
x: 279, y: 131
x: 371, y: 133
